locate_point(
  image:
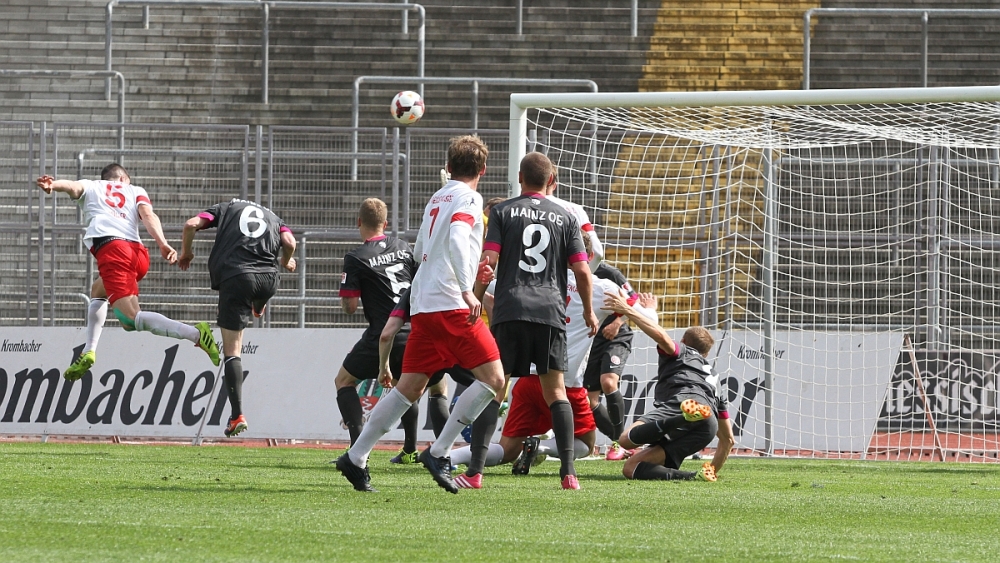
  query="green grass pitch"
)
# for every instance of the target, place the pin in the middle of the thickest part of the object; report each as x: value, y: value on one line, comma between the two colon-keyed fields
x: 83, y: 502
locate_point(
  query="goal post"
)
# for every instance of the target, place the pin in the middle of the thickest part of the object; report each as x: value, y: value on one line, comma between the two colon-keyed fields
x: 842, y: 246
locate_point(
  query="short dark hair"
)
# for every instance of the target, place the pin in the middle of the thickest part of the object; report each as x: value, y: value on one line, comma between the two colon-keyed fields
x: 700, y: 339
x: 114, y: 171
x: 373, y: 213
x: 536, y: 169
x: 467, y: 156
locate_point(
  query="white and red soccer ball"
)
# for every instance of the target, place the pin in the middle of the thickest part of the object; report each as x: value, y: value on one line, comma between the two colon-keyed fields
x: 407, y: 107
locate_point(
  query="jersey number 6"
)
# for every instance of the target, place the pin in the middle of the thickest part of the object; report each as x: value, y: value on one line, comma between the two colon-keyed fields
x: 252, y: 216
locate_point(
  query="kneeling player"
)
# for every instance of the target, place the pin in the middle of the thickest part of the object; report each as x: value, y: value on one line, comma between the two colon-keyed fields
x: 687, y: 406
x: 244, y: 269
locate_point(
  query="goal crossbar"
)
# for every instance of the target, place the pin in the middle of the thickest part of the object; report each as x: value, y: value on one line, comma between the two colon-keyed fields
x: 521, y: 102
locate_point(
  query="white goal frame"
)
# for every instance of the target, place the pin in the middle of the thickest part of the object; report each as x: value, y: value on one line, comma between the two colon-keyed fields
x: 521, y: 103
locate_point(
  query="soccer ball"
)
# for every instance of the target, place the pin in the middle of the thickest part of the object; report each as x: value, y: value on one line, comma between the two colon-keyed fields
x: 407, y: 107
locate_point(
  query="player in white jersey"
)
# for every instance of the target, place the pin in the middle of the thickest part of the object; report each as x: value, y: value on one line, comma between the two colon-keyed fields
x: 112, y: 209
x: 446, y: 328
x: 581, y: 216
x: 529, y: 415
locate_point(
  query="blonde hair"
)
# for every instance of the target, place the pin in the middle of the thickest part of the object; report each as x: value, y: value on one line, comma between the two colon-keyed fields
x: 700, y: 339
x: 373, y: 213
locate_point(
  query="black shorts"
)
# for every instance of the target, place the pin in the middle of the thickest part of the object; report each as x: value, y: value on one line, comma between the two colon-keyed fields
x: 362, y: 361
x: 240, y: 295
x: 689, y: 437
x: 459, y: 375
x: 610, y: 360
x: 522, y: 343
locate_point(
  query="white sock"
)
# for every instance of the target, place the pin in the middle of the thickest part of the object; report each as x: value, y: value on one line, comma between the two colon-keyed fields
x: 494, y: 456
x: 469, y: 405
x: 97, y: 313
x: 162, y: 326
x: 463, y: 455
x: 385, y: 416
x: 548, y: 447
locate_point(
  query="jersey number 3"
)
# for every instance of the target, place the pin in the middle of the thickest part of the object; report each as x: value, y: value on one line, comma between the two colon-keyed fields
x: 252, y: 217
x: 534, y: 250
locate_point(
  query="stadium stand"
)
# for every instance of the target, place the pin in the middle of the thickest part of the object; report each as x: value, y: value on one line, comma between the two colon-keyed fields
x: 202, y: 66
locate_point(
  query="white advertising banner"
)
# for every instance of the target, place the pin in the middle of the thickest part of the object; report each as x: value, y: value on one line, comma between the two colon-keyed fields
x: 828, y: 388
x: 151, y: 386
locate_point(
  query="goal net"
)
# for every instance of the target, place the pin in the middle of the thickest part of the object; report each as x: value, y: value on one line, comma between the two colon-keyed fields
x: 842, y: 246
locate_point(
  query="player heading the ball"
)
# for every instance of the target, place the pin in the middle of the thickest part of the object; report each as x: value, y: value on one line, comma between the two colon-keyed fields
x: 112, y: 209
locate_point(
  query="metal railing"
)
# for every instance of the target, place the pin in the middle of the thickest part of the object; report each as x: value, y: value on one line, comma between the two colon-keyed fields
x: 885, y: 12
x: 265, y: 24
x: 634, y: 19
x: 108, y: 74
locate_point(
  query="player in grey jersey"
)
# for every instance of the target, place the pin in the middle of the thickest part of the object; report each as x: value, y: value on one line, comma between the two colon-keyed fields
x: 244, y: 269
x: 531, y: 242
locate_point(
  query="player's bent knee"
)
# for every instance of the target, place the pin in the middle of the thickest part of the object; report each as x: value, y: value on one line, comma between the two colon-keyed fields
x: 127, y: 323
x: 609, y: 383
x: 628, y: 470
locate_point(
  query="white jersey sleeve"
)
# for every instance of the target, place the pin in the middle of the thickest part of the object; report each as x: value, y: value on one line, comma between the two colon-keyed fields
x: 587, y: 227
x: 111, y: 209
x: 449, y: 245
x: 578, y: 340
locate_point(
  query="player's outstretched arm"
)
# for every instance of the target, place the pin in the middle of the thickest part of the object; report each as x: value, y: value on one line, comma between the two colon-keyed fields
x: 385, y: 340
x: 48, y: 184
x: 155, y: 230
x: 619, y: 304
x: 288, y: 251
x: 585, y: 285
x: 191, y: 226
x: 726, y: 443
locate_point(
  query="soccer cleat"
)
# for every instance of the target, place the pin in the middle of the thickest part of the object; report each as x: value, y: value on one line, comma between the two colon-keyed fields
x: 260, y: 313
x: 440, y: 470
x: 236, y: 425
x: 570, y: 482
x: 706, y: 473
x: 464, y: 481
x: 529, y: 451
x: 358, y: 476
x: 207, y: 342
x: 617, y: 453
x: 80, y: 366
x: 695, y: 411
x: 404, y: 458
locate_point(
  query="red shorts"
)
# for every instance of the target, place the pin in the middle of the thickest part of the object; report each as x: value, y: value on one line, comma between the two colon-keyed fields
x: 444, y: 339
x: 121, y: 264
x: 529, y: 415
